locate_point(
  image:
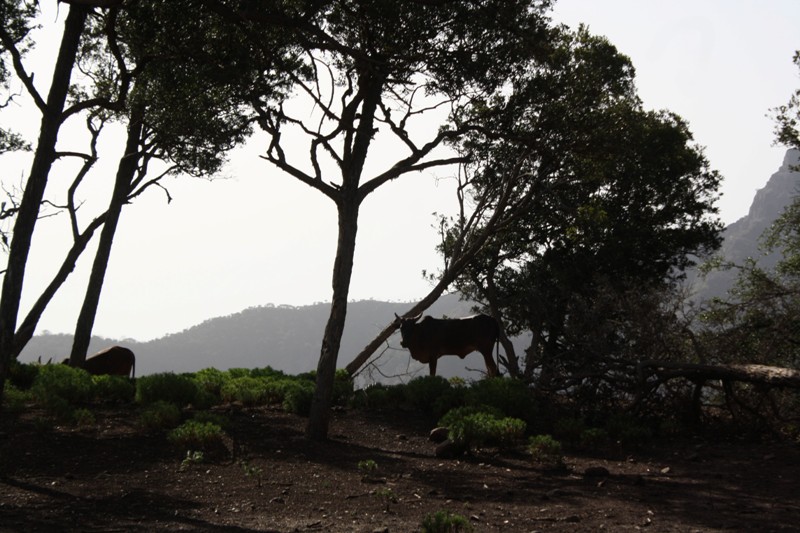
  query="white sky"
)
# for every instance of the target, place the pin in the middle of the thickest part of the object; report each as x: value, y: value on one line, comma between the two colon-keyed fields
x: 260, y: 237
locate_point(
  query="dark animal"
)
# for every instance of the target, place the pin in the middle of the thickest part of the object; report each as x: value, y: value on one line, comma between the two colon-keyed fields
x: 116, y: 360
x: 431, y: 338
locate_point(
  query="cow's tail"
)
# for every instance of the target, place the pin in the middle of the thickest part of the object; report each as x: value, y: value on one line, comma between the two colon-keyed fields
x: 497, y: 347
x: 497, y: 353
x: 133, y: 368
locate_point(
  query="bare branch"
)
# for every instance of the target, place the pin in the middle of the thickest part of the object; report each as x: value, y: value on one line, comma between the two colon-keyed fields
x: 19, y: 68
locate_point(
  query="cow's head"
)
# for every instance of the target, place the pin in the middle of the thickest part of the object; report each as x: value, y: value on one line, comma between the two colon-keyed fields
x: 407, y: 329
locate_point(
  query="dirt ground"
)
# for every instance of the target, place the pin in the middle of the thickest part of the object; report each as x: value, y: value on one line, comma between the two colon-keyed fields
x: 113, y: 476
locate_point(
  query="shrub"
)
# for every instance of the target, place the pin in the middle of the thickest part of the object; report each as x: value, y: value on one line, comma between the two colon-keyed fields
x: 248, y: 390
x: 197, y: 436
x: 58, y: 408
x: 22, y: 375
x: 14, y: 399
x: 628, y: 430
x: 422, y: 393
x: 474, y: 426
x: 342, y: 388
x: 445, y: 522
x: 372, y: 397
x: 451, y: 398
x: 215, y: 418
x: 511, y: 396
x: 545, y: 449
x: 594, y: 438
x: 72, y: 385
x: 298, y: 398
x: 168, y: 387
x: 569, y: 430
x: 267, y: 372
x: 113, y: 388
x: 83, y: 417
x: 238, y: 372
x: 160, y: 415
x: 210, y: 380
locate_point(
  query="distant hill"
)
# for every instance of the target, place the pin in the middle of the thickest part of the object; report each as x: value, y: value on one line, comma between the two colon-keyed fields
x: 742, y: 238
x: 284, y: 337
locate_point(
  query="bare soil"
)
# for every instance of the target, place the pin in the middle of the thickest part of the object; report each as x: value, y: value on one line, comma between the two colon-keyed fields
x: 113, y: 476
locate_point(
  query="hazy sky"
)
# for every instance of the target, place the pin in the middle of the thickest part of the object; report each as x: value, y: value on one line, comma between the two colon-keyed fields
x: 259, y: 237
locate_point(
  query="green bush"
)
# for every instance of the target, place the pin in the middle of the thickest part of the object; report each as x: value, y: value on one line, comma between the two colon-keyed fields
x: 342, y: 388
x: 267, y: 372
x: 545, y: 449
x: 298, y: 398
x: 215, y: 418
x: 198, y: 436
x: 452, y: 398
x: 179, y: 389
x: 569, y: 430
x: 58, y: 408
x: 421, y: 393
x: 511, y: 396
x: 372, y: 397
x: 83, y: 417
x: 113, y: 388
x: 481, y: 426
x: 72, y: 385
x: 248, y: 390
x: 445, y: 522
x: 628, y: 430
x: 210, y: 380
x: 238, y: 372
x: 160, y: 415
x: 14, y: 399
x: 594, y: 438
x: 22, y: 375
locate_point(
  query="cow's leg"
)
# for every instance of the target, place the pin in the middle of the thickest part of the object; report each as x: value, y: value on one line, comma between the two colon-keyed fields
x: 432, y: 366
x: 491, y: 367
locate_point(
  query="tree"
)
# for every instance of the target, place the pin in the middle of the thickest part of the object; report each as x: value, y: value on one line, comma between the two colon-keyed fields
x: 757, y: 322
x: 186, y: 109
x: 787, y: 117
x: 371, y: 69
x: 622, y: 196
x: 52, y: 109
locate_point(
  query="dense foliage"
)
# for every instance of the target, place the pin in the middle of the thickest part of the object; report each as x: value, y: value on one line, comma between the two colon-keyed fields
x: 618, y: 200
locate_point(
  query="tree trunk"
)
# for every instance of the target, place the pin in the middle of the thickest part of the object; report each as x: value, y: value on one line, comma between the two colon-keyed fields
x: 770, y: 376
x: 35, y: 186
x: 28, y: 326
x: 126, y: 171
x: 318, y: 422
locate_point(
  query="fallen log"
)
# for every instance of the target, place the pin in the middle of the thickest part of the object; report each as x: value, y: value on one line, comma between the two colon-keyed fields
x: 773, y: 376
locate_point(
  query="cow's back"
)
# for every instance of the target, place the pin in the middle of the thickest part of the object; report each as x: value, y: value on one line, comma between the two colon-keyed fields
x: 116, y: 360
x: 460, y: 336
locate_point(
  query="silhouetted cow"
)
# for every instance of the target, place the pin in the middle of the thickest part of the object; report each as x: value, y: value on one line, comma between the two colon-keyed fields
x: 431, y: 338
x: 116, y: 360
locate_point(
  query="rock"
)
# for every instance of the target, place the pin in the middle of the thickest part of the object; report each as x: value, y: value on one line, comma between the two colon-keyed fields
x: 439, y: 434
x: 596, y: 471
x: 449, y: 450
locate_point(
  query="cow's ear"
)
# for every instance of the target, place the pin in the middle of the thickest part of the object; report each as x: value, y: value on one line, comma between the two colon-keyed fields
x: 416, y: 318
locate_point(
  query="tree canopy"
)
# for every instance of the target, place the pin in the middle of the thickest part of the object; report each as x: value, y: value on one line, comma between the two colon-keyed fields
x: 620, y: 197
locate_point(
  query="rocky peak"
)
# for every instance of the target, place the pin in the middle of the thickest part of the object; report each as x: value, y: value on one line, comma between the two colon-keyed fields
x: 742, y: 238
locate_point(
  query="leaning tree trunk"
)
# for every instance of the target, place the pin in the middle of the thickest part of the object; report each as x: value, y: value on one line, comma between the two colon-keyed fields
x: 126, y: 171
x: 28, y: 327
x: 319, y: 419
x: 37, y: 182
